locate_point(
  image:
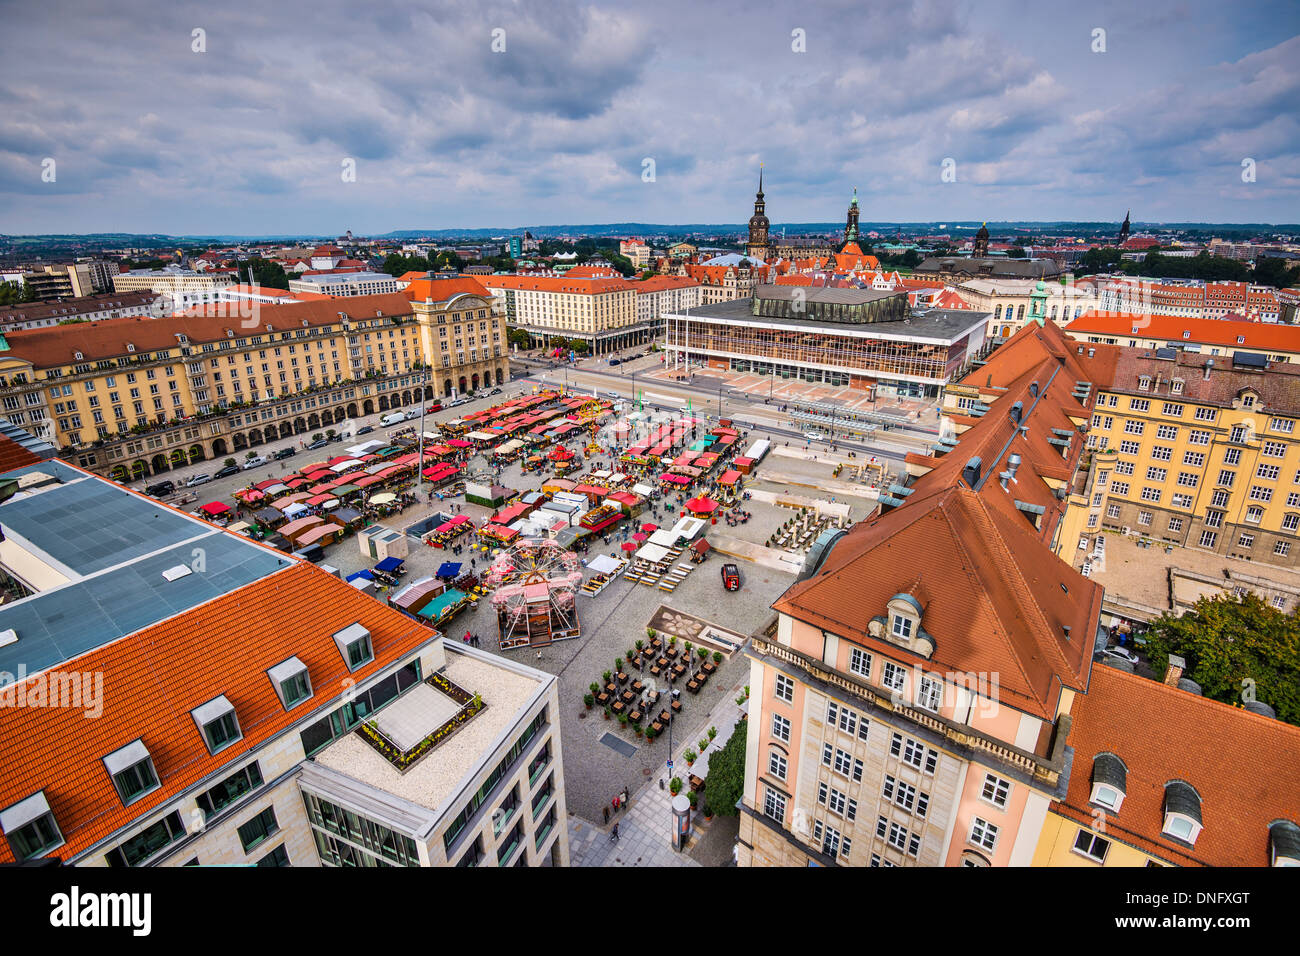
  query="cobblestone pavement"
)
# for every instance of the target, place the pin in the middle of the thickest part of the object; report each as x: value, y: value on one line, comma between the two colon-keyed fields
x: 645, y: 828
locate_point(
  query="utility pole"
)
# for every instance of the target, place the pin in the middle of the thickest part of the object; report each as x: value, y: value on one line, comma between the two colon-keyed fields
x: 419, y: 465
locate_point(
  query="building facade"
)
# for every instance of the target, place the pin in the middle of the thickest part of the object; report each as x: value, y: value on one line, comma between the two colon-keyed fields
x: 133, y: 397
x: 185, y: 288
x: 601, y: 312
x: 95, y: 308
x: 345, y: 283
x: 1013, y: 302
x: 861, y: 338
x: 1212, y: 337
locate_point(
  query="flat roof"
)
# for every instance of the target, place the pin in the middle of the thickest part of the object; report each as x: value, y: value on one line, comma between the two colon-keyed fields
x: 96, y: 554
x: 436, y: 778
x: 948, y: 325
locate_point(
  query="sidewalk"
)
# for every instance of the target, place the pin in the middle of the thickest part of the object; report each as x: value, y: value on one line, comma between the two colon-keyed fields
x: 645, y: 828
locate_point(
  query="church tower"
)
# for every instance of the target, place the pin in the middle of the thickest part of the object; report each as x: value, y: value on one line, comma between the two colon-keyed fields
x: 758, y: 246
x: 1123, y: 230
x: 851, y: 225
x: 981, y: 242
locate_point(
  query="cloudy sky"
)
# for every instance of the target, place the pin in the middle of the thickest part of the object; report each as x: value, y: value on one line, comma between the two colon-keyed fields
x: 254, y: 134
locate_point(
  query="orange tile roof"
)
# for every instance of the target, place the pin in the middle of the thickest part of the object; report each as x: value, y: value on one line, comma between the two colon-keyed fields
x: 1259, y: 336
x: 109, y: 338
x: 991, y: 593
x: 155, y: 677
x: 663, y: 283
x: 1245, y: 767
x: 559, y: 284
x: 14, y: 455
x: 442, y: 290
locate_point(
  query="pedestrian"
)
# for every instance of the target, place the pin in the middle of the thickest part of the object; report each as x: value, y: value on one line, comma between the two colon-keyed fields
x: 615, y: 802
x: 624, y: 802
x: 467, y: 637
x: 606, y: 814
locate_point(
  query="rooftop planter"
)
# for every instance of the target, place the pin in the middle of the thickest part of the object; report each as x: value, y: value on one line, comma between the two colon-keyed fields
x: 471, y: 706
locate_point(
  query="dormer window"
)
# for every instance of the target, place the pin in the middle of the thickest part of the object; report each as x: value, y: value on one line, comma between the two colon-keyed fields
x: 1109, y: 781
x: 1241, y: 340
x: 1144, y: 382
x: 78, y: 356
x: 217, y: 723
x: 1176, y: 386
x: 1187, y: 335
x: 354, y: 644
x: 30, y: 827
x: 132, y: 771
x: 1182, y: 812
x: 291, y: 681
x: 130, y: 347
x: 902, y: 627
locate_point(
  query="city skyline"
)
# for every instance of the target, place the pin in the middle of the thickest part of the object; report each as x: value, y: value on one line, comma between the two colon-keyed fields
x: 261, y: 117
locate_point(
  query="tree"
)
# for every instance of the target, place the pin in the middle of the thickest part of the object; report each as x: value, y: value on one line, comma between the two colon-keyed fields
x: 267, y: 274
x: 727, y: 774
x: 1016, y: 252
x: 1272, y: 270
x: 1235, y: 647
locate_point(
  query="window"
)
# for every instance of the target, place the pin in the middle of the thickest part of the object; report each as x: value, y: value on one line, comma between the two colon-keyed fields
x: 1198, y: 437
x: 230, y: 790
x: 1129, y: 448
x: 984, y: 834
x: 291, y: 682
x: 277, y: 857
x: 1284, y: 425
x: 1134, y: 427
x: 1194, y: 458
x: 1166, y: 432
x: 1219, y: 499
x: 1272, y: 449
x: 784, y: 688
x: 1157, y: 474
x: 1123, y: 467
x: 1205, y: 414
x: 1150, y: 494
x: 1239, y: 434
x: 1246, y: 541
x: 30, y: 827
x: 354, y: 644
x: 848, y: 721
x: 1181, y: 501
x: 1161, y: 453
x: 1090, y: 845
x: 1268, y: 472
x: 860, y: 662
x: 1139, y: 404
x: 776, y: 765
x: 1172, y: 409
x: 843, y: 762
x: 148, y: 841
x: 1112, y: 511
x: 1208, y: 539
x: 893, y: 676
x: 1260, y: 493
x: 774, y: 804
x: 836, y: 802
x: 929, y: 694
x: 1254, y: 514
x: 1175, y: 524
x: 1188, y: 479
x: 1290, y: 522
x: 217, y: 723
x: 256, y: 830
x: 132, y: 771
x: 996, y: 790
x: 902, y: 627
x: 780, y: 728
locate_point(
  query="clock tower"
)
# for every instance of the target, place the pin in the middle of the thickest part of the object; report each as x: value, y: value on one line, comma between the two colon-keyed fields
x: 758, y: 245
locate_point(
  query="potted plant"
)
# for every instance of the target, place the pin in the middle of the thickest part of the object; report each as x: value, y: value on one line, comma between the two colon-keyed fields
x: 594, y: 687
x: 630, y: 656
x: 588, y: 699
x: 704, y: 744
x: 690, y: 756
x: 640, y: 731
x: 607, y: 713
x: 640, y: 643
x: 675, y: 786
x: 608, y: 675
x: 693, y: 797
x: 672, y: 640
x: 689, y: 648
x: 618, y: 664
x: 713, y: 732
x: 622, y: 719
x: 649, y: 733
x: 650, y: 632
x: 704, y: 654
x: 717, y: 657
x: 708, y: 812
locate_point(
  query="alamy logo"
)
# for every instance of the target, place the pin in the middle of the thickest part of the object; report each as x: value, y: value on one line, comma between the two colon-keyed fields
x: 60, y: 689
x: 75, y: 909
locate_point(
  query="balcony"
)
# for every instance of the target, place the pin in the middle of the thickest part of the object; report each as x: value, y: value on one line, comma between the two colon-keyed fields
x: 411, y: 728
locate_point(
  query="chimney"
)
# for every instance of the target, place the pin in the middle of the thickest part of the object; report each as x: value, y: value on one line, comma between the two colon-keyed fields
x: 1092, y: 353
x: 1176, y: 667
x: 971, y: 473
x: 1016, y: 411
x: 1033, y: 389
x: 1209, y: 365
x: 1013, y: 464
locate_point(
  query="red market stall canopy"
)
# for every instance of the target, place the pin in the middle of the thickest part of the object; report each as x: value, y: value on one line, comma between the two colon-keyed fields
x: 498, y: 532
x: 512, y: 514
x: 249, y: 495
x: 700, y: 547
x: 630, y: 546
x: 701, y: 505
x: 729, y: 477
x: 268, y: 483
x: 452, y: 525
x: 214, y: 508
x: 287, y: 500
x: 439, y: 451
x: 459, y: 443
x: 294, y: 528
x: 319, y: 500
x: 566, y: 428
x: 320, y: 474
x: 369, y: 481
x: 439, y: 472
x: 560, y: 453
x: 649, y: 526
x: 313, y: 535
x: 675, y: 479
x: 593, y: 492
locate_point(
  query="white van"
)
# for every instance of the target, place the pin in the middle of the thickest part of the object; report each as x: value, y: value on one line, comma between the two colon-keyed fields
x: 392, y: 418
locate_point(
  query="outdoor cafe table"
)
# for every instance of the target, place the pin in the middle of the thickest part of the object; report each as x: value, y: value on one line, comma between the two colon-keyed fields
x: 677, y: 705
x: 656, y: 670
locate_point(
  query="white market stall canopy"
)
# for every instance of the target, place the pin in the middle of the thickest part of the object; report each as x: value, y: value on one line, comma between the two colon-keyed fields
x: 654, y: 553
x: 603, y: 564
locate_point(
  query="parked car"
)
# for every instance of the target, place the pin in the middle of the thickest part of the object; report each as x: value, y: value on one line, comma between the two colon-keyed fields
x: 496, y: 391
x: 333, y: 438
x: 284, y: 453
x: 731, y: 577
x: 392, y: 418
x: 1123, y: 653
x: 160, y: 489
x: 814, y: 436
x: 318, y: 444
x: 227, y: 471
x: 254, y: 462
x: 198, y: 480
x: 365, y: 429
x: 435, y: 407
